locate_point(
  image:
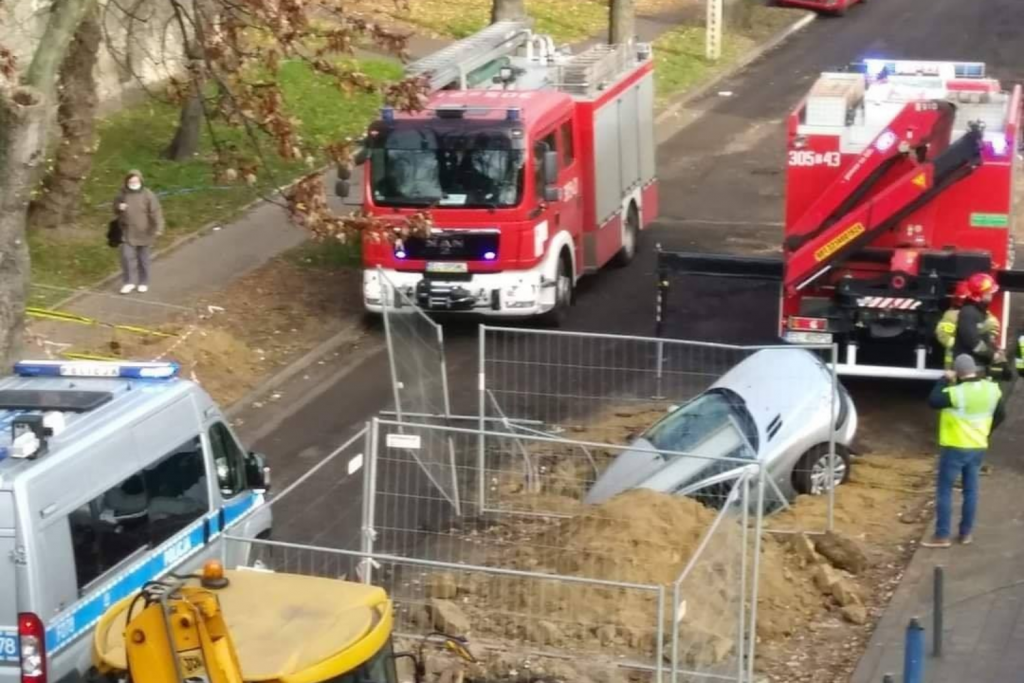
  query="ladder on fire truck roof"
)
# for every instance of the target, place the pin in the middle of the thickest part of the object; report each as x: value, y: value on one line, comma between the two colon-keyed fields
x: 452, y: 64
x: 593, y: 69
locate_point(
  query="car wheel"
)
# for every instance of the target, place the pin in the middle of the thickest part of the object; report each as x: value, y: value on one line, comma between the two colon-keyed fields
x: 810, y: 476
x: 630, y: 238
x: 557, y: 316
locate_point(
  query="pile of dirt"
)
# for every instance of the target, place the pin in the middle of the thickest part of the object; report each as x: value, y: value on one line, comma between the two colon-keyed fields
x: 648, y: 538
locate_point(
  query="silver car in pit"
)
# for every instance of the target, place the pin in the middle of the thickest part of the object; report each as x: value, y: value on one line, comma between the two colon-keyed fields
x: 775, y: 407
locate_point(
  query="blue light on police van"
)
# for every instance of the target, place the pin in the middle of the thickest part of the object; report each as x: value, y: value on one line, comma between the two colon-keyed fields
x: 490, y: 256
x: 107, y: 369
x: 388, y: 114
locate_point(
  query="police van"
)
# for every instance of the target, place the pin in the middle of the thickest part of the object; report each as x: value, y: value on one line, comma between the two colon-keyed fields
x: 111, y: 475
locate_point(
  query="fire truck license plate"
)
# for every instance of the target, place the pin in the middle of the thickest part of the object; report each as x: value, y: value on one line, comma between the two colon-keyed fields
x: 446, y: 267
x: 808, y: 337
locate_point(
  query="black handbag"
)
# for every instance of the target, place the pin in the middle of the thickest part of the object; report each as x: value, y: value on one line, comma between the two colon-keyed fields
x: 115, y: 236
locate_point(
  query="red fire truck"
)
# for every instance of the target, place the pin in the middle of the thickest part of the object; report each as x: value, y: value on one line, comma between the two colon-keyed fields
x: 536, y: 166
x: 837, y: 7
x: 899, y: 184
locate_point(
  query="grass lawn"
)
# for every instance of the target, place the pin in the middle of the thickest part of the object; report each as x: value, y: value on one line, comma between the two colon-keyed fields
x: 679, y: 54
x: 567, y: 21
x: 136, y: 137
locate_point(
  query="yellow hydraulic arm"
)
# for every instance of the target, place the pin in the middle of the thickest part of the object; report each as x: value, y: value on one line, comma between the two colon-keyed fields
x: 180, y: 634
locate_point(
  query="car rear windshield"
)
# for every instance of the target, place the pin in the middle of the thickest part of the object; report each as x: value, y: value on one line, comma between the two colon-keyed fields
x: 686, y: 428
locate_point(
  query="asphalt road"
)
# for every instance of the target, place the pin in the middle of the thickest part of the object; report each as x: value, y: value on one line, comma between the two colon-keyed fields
x: 722, y: 189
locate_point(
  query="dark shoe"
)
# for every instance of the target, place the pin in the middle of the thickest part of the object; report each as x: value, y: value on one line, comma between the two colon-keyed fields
x: 966, y: 539
x: 937, y: 542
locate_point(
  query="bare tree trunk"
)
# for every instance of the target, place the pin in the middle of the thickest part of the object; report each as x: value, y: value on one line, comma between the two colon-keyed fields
x: 621, y: 22
x: 59, y: 202
x: 185, y: 144
x: 23, y: 121
x: 24, y: 118
x: 508, y: 9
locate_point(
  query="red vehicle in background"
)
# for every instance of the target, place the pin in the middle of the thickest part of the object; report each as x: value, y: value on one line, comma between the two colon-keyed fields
x: 899, y: 184
x: 836, y: 7
x: 537, y: 167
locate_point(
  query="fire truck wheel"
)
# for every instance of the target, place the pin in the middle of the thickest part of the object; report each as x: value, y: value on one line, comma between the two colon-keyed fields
x: 563, y: 295
x: 810, y: 476
x: 630, y: 237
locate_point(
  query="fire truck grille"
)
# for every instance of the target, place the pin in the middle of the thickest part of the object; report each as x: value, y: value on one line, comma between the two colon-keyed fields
x: 453, y: 246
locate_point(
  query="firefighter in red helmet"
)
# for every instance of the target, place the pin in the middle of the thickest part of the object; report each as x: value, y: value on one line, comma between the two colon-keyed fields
x: 973, y: 336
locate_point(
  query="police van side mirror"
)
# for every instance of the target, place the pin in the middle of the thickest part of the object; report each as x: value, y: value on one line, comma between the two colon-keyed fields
x: 257, y: 473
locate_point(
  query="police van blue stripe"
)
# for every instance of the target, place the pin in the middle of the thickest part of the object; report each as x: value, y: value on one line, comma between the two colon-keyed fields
x: 83, y: 615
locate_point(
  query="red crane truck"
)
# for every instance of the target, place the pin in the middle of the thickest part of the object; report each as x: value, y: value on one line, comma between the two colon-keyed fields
x: 536, y: 166
x: 899, y: 183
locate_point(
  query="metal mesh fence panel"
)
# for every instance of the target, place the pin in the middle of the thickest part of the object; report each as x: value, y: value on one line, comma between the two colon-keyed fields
x: 714, y: 595
x: 520, y: 610
x: 537, y: 503
x: 324, y: 507
x: 419, y: 378
x: 615, y: 389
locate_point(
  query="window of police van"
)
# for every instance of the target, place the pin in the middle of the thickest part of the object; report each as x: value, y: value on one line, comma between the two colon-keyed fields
x: 140, y: 512
x: 228, y: 460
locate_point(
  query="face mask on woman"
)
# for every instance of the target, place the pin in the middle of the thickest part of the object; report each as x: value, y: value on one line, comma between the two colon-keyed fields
x: 134, y: 185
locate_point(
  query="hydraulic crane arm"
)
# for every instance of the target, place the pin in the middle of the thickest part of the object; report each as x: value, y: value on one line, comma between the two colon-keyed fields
x: 921, y: 127
x: 882, y: 212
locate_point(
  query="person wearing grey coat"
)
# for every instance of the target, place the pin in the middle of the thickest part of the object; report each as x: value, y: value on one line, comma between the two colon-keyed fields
x: 141, y: 219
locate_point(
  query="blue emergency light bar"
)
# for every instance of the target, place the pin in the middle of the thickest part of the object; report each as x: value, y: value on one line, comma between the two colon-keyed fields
x: 906, y: 67
x: 108, y: 369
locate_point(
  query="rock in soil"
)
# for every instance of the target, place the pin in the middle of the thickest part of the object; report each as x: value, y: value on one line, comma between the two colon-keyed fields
x: 846, y: 593
x: 448, y: 618
x: 855, y: 613
x: 842, y: 551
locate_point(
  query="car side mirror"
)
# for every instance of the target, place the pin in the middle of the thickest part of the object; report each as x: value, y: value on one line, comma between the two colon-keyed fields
x: 257, y: 472
x: 550, y: 167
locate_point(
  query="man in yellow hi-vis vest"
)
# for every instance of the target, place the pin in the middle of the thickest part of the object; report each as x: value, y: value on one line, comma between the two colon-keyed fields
x: 972, y: 406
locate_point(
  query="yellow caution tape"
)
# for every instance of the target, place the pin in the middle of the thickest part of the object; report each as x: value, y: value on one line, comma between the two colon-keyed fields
x: 63, y: 316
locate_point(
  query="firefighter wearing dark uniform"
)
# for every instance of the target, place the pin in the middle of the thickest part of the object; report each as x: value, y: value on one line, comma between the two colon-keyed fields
x: 973, y: 336
x: 945, y: 330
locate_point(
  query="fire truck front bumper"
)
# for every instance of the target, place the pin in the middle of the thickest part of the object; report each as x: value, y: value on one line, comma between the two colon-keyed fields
x: 506, y: 294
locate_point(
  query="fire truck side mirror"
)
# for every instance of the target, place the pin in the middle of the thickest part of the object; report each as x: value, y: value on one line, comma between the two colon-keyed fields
x: 552, y: 193
x: 342, y: 188
x: 550, y: 167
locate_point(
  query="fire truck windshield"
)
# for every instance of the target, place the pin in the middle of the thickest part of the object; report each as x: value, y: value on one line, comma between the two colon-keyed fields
x: 440, y: 164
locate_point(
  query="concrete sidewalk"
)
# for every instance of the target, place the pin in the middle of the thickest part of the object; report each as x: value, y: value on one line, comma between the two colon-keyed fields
x: 983, y: 634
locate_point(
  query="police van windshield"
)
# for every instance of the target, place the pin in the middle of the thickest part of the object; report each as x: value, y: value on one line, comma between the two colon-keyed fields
x: 433, y: 164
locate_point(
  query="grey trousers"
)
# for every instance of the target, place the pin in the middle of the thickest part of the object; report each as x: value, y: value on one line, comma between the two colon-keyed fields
x: 134, y: 264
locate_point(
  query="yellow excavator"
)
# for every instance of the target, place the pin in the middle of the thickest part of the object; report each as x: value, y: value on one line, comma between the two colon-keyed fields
x: 252, y: 626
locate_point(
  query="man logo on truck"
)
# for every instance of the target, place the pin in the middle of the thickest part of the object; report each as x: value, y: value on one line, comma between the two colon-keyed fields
x: 847, y: 236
